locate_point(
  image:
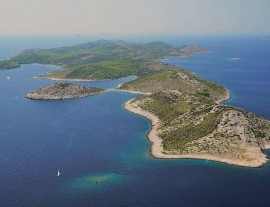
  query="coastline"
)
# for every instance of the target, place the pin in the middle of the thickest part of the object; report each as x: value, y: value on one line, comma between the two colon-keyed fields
x: 158, y: 152
x: 71, y: 80
x: 225, y: 98
x: 136, y: 92
x: 78, y: 79
x: 60, y: 91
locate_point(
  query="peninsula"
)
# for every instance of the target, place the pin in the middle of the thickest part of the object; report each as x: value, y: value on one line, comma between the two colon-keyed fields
x: 188, y: 119
x: 58, y: 91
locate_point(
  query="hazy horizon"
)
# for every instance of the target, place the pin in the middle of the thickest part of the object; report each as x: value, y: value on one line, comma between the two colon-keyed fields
x: 141, y: 17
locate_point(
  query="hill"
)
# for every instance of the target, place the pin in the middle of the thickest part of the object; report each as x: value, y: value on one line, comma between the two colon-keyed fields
x: 97, y: 60
x: 188, y: 121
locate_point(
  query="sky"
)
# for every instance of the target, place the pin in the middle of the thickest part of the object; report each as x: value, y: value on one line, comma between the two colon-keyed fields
x: 132, y: 17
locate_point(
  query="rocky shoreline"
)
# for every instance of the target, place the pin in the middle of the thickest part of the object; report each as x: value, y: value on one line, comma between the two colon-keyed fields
x: 259, y: 158
x: 57, y: 91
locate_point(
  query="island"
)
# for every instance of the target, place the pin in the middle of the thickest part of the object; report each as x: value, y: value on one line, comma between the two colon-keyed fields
x: 266, y: 38
x: 100, y: 60
x: 58, y: 91
x: 187, y: 114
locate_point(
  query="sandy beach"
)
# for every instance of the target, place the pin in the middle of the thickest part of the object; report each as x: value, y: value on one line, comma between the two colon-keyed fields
x: 158, y: 152
x: 137, y: 92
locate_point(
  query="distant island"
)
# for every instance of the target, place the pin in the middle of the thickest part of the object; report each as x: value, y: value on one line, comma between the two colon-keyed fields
x: 100, y: 60
x: 58, y: 91
x: 266, y: 38
x: 188, y: 119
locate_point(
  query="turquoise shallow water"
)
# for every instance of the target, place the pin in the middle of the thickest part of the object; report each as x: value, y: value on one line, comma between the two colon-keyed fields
x: 102, y: 152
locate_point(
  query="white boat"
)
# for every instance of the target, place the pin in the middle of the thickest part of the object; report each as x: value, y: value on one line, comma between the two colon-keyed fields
x: 235, y: 58
x: 58, y: 173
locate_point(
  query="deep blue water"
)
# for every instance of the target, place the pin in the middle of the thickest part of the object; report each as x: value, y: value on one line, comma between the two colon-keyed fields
x: 94, y: 139
x: 248, y: 78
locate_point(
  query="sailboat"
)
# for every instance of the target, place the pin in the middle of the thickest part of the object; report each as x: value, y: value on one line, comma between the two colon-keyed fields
x: 58, y: 173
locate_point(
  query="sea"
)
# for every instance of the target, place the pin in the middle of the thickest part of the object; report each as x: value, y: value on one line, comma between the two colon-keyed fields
x: 102, y: 151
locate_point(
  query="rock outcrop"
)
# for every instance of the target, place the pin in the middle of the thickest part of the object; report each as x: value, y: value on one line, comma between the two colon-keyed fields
x: 62, y: 91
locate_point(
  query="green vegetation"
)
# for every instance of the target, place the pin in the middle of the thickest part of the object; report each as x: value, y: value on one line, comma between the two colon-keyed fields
x: 184, y: 117
x: 183, y: 104
x: 167, y: 79
x: 102, y: 70
x: 210, y: 84
x: 171, y: 78
x: 8, y: 64
x: 204, y: 93
x: 178, y: 138
x: 97, y: 60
